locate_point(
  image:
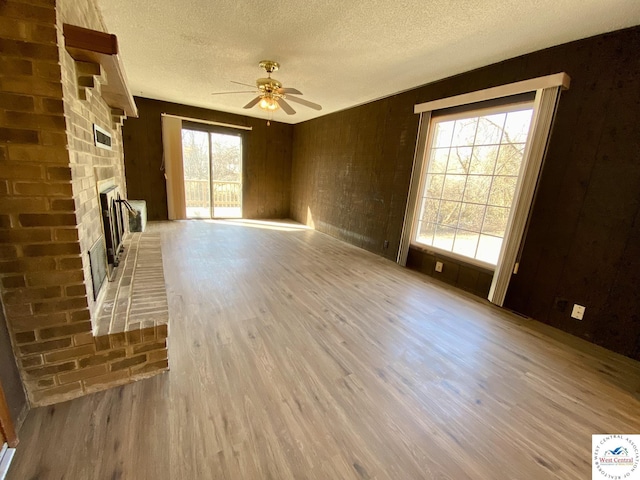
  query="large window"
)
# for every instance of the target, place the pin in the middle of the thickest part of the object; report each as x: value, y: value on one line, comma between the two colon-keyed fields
x: 475, y: 174
x: 472, y: 163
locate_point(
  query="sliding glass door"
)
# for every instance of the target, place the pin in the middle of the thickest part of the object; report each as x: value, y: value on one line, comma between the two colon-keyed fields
x: 226, y: 175
x: 197, y: 173
x: 212, y: 164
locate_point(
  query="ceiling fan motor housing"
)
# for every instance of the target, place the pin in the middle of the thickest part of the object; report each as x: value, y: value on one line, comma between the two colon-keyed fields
x: 268, y: 84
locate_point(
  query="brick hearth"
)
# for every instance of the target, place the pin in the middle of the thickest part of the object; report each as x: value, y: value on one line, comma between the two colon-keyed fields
x: 137, y: 297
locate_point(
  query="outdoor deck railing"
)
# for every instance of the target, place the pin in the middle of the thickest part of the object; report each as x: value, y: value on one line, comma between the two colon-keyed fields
x: 225, y: 194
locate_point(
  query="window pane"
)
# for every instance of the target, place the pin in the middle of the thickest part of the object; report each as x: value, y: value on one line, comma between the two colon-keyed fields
x: 477, y: 189
x: 429, y: 210
x: 425, y: 233
x: 443, y: 133
x: 490, y: 129
x: 502, y: 191
x: 438, y: 161
x: 449, y: 213
x: 443, y: 237
x: 464, y: 132
x: 516, y: 127
x: 453, y: 187
x: 226, y: 154
x: 509, y: 159
x: 489, y: 249
x: 471, y: 216
x: 433, y: 188
x: 483, y: 160
x: 459, y: 160
x: 195, y: 154
x: 466, y: 243
x: 495, y: 222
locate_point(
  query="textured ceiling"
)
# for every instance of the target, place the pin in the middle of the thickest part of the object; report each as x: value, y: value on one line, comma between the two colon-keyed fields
x: 338, y: 53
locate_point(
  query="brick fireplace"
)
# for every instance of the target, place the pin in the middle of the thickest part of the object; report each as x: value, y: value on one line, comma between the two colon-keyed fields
x: 51, y: 173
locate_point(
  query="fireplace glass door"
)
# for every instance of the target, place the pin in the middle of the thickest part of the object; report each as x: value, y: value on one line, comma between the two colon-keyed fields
x: 212, y: 164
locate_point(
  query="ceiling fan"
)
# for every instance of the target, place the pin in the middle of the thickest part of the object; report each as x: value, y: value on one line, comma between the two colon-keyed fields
x: 270, y: 93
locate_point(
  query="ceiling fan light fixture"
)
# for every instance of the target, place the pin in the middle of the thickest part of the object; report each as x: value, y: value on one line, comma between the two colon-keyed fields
x: 268, y: 103
x: 271, y: 95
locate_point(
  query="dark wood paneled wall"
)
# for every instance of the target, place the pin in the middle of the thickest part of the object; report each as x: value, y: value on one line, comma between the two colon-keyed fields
x: 583, y: 245
x: 266, y: 171
x: 351, y: 174
x: 463, y: 275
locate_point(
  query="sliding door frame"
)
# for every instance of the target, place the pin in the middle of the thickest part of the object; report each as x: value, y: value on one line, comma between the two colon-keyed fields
x: 222, y: 130
x: 172, y: 157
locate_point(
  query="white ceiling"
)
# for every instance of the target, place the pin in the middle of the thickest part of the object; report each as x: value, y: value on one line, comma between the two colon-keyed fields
x: 338, y: 53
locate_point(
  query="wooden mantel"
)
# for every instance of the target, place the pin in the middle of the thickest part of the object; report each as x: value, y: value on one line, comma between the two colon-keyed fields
x: 94, y: 46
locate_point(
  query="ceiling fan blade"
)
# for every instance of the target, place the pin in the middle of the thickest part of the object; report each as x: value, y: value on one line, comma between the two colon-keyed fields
x: 239, y: 91
x: 306, y: 103
x: 293, y: 91
x: 286, y: 107
x: 253, y: 102
x: 245, y: 84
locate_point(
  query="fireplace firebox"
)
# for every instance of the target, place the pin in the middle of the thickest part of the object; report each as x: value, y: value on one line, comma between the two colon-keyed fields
x: 114, y: 226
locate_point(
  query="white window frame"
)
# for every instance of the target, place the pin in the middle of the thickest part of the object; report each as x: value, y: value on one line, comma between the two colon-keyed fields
x: 547, y: 92
x: 480, y: 111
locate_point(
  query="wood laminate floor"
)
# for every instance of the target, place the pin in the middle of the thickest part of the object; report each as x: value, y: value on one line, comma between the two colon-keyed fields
x: 296, y: 356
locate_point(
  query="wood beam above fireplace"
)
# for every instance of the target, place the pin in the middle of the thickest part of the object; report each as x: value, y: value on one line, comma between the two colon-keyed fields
x: 99, y: 47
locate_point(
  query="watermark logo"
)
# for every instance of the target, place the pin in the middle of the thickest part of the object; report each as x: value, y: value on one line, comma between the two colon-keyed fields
x: 615, y: 457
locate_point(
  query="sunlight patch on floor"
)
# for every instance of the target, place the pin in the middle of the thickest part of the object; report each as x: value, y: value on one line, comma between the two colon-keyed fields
x: 282, y: 226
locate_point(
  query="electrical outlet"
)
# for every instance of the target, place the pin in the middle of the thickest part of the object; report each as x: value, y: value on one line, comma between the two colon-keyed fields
x: 578, y: 312
x: 386, y: 244
x: 439, y: 266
